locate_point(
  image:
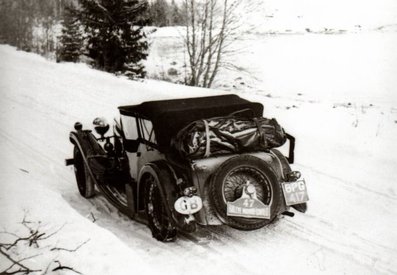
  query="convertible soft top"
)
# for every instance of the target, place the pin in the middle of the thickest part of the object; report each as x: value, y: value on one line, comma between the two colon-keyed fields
x: 169, y: 116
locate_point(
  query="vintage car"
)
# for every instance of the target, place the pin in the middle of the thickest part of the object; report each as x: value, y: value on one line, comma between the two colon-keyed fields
x: 171, y: 166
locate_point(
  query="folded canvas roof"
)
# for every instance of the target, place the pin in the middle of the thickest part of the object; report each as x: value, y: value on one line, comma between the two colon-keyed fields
x: 169, y: 116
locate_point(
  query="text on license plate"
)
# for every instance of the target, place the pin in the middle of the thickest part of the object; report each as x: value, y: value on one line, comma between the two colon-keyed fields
x: 295, y: 192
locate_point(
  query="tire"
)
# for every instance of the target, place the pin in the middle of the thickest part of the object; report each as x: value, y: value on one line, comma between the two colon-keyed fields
x: 159, y: 221
x: 301, y: 207
x: 85, y: 184
x: 226, y: 186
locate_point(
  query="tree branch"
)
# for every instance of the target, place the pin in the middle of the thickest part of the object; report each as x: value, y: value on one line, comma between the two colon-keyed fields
x: 61, y: 267
x: 22, y: 268
x: 70, y: 250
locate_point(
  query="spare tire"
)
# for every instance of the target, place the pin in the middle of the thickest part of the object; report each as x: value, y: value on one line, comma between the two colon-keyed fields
x: 227, y: 184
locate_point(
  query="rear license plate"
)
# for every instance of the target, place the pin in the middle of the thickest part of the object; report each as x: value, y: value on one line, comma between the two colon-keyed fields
x: 295, y: 192
x: 248, y: 208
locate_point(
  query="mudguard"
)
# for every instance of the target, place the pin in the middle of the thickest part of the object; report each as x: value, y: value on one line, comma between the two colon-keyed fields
x: 88, y: 146
x: 93, y: 153
x: 168, y: 189
x: 282, y: 163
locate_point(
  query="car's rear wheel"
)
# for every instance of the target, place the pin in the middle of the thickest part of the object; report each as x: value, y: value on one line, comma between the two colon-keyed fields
x: 159, y: 221
x: 84, y: 181
x: 227, y: 186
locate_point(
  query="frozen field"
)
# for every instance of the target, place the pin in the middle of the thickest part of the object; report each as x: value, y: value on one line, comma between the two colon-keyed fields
x: 335, y: 93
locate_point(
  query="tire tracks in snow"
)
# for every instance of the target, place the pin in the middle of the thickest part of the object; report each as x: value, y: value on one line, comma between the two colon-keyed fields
x: 351, y: 185
x: 330, y: 232
x: 342, y: 242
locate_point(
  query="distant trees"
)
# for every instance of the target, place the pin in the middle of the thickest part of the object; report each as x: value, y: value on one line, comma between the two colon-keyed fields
x: 44, y: 30
x: 71, y: 40
x: 211, y: 28
x: 27, y: 24
x: 16, y: 23
x: 113, y: 31
x: 113, y: 34
x: 164, y: 13
x: 115, y: 39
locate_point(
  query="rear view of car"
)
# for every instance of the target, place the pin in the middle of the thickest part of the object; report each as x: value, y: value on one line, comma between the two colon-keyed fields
x: 177, y: 164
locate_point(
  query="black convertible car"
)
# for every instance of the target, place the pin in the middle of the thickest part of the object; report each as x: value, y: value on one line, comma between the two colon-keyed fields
x: 173, y: 164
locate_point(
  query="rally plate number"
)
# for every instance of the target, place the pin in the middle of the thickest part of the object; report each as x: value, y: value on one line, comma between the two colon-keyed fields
x: 248, y: 208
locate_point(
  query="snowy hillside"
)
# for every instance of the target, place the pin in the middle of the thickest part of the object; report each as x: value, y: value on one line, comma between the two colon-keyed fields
x: 345, y: 150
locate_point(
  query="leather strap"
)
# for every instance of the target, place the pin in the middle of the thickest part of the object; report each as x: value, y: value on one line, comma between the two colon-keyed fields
x: 208, y: 141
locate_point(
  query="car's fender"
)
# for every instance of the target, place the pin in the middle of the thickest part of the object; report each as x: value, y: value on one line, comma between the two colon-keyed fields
x: 88, y: 147
x: 93, y: 155
x: 167, y: 188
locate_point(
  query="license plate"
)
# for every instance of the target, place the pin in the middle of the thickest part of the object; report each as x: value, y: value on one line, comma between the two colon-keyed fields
x: 295, y: 192
x: 248, y: 208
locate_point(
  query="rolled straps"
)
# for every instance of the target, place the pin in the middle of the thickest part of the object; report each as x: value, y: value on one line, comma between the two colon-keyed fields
x: 208, y: 140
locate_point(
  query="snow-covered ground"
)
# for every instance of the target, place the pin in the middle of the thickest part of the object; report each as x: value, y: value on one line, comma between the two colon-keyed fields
x: 335, y: 93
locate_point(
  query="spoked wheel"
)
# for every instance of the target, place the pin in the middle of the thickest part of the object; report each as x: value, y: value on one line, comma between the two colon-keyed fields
x: 84, y: 181
x: 227, y: 186
x: 158, y: 219
x: 235, y: 181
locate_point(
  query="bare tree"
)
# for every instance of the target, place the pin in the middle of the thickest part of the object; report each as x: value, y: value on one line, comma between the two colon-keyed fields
x: 211, y: 27
x: 9, y: 250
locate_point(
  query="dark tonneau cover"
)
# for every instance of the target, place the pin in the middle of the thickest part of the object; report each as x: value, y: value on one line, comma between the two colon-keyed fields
x: 169, y: 116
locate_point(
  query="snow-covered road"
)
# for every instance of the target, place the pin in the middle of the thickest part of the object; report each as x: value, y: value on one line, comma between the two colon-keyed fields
x: 346, y: 152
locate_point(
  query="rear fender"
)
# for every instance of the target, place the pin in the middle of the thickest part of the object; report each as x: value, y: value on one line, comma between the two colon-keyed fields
x: 281, y: 164
x: 167, y: 188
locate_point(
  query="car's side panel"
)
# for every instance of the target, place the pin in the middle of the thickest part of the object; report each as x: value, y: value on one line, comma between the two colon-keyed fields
x: 147, y: 154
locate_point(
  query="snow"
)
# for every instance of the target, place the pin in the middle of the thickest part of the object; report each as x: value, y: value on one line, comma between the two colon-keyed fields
x: 334, y: 93
x: 319, y: 14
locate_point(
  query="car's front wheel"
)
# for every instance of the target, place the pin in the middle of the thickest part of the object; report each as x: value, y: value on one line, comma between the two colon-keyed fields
x: 84, y: 181
x: 159, y: 221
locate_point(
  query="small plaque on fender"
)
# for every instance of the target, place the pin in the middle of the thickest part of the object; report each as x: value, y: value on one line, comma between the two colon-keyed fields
x: 188, y: 205
x: 248, y: 208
